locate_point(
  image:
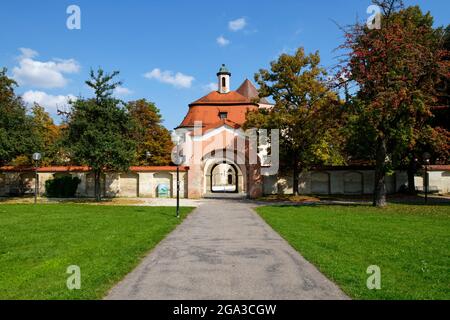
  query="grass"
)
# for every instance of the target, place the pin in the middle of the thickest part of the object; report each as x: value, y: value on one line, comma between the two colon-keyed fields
x: 288, y: 198
x: 38, y: 243
x: 410, y: 244
x: 92, y: 201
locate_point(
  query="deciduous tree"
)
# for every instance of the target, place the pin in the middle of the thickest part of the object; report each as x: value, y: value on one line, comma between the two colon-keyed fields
x: 149, y: 133
x: 100, y: 129
x: 16, y: 137
x: 396, y: 69
x: 306, y: 111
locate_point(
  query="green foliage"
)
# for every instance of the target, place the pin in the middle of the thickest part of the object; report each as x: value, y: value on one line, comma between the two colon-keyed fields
x: 397, y: 69
x: 48, y: 137
x: 102, y: 83
x: 99, y: 132
x: 16, y: 137
x: 149, y: 134
x: 62, y: 187
x: 306, y: 111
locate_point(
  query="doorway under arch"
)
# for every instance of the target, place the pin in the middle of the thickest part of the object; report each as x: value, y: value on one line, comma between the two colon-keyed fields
x: 224, y: 178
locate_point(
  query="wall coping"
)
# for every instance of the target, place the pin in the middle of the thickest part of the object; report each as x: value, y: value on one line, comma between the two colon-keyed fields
x: 87, y: 169
x: 433, y: 167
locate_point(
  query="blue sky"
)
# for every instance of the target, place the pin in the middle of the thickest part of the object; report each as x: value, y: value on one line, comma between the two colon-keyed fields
x: 167, y: 51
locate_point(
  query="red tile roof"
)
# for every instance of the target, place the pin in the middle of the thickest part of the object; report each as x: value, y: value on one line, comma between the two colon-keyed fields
x: 209, y: 114
x: 248, y: 90
x: 214, y: 98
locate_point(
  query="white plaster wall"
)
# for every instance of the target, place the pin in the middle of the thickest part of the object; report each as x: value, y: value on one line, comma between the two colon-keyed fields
x: 42, y: 178
x: 146, y: 187
x: 439, y: 180
x: 341, y: 182
x: 163, y: 178
x: 368, y: 181
x: 128, y: 184
x: 337, y: 182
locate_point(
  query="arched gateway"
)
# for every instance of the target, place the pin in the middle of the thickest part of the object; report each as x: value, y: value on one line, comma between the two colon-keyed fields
x: 212, y: 125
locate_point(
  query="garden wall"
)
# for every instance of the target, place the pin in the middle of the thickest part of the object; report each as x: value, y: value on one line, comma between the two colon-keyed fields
x: 138, y: 182
x: 355, y: 181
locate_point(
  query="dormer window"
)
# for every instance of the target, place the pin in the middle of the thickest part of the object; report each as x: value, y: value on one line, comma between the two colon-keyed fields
x: 223, y: 115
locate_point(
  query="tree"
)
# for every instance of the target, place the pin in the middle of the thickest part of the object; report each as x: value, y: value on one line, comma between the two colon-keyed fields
x: 150, y: 135
x: 306, y: 111
x: 99, y: 132
x: 396, y: 69
x: 16, y: 137
x: 47, y: 135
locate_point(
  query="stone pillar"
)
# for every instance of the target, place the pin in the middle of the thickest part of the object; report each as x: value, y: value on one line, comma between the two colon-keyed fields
x: 195, y: 178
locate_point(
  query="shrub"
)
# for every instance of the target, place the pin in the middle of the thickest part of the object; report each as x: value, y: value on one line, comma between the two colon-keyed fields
x: 62, y: 187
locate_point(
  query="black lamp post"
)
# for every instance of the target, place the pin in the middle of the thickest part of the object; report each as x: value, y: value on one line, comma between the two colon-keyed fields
x: 426, y: 159
x: 178, y: 160
x: 36, y: 157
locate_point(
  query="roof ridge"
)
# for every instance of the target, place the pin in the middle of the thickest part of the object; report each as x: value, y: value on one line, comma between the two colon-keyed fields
x: 231, y: 97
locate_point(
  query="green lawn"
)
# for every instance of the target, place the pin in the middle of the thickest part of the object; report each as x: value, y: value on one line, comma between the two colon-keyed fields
x: 411, y: 245
x: 38, y: 243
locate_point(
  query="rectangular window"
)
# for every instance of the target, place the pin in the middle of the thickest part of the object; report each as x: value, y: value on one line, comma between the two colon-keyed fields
x: 223, y: 115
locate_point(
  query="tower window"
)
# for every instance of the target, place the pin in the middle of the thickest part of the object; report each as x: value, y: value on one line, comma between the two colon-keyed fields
x: 223, y: 82
x: 223, y: 115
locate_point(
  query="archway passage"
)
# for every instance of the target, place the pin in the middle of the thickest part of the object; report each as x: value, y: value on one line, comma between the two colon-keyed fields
x: 224, y: 178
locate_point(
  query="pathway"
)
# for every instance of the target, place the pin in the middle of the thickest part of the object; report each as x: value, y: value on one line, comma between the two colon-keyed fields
x: 224, y: 250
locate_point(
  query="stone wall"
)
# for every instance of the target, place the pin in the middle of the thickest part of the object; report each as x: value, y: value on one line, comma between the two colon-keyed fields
x: 140, y: 182
x: 144, y: 181
x: 358, y: 181
x: 439, y: 182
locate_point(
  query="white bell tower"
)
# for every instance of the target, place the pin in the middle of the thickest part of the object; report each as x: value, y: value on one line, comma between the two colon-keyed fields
x: 223, y: 77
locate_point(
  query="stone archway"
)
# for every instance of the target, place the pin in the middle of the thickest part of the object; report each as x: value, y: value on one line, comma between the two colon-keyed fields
x: 224, y: 178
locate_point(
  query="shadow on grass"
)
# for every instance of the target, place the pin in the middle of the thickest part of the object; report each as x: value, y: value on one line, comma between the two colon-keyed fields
x: 417, y: 200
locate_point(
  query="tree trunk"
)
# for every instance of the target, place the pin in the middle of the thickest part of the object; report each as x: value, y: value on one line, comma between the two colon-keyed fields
x: 379, y: 194
x: 97, y: 175
x: 411, y: 173
x: 295, y: 176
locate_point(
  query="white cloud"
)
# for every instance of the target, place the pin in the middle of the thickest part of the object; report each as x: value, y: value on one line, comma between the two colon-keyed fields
x: 43, y: 74
x: 222, y: 41
x: 28, y: 53
x: 51, y: 103
x: 238, y: 24
x: 178, y: 79
x: 122, y: 91
x: 212, y: 86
